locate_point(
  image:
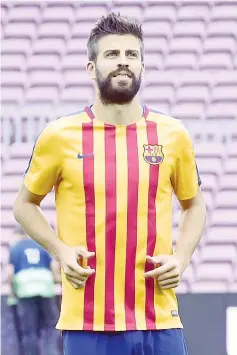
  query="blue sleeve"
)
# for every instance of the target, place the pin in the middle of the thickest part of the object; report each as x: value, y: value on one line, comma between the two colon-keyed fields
x: 199, y: 179
x: 13, y: 256
x: 48, y: 259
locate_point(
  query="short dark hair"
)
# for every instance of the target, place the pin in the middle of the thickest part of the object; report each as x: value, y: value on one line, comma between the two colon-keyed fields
x: 110, y: 25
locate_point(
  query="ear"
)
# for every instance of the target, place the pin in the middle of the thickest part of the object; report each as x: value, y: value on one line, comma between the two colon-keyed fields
x: 91, y: 70
x: 143, y: 69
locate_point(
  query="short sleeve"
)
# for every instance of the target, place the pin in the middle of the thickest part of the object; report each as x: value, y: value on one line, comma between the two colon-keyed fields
x: 43, y: 171
x: 185, y: 178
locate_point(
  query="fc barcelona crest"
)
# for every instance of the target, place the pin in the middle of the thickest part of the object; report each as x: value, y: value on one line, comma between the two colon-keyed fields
x: 153, y: 154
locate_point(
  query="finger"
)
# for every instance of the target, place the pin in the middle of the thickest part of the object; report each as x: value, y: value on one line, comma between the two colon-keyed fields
x: 152, y: 273
x: 165, y: 268
x: 74, y: 281
x: 169, y: 281
x: 80, y: 271
x: 159, y: 259
x: 82, y: 252
x: 176, y: 284
x: 168, y: 275
x: 76, y: 277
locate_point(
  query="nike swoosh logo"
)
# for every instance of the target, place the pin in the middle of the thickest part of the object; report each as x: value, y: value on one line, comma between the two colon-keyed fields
x: 79, y: 156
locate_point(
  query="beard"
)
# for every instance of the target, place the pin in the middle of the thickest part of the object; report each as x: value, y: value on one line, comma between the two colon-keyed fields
x: 121, y: 94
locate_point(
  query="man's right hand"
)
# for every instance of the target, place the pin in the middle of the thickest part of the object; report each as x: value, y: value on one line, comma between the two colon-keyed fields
x: 70, y: 262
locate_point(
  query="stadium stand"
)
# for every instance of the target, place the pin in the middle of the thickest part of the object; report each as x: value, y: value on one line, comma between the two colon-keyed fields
x: 191, y: 62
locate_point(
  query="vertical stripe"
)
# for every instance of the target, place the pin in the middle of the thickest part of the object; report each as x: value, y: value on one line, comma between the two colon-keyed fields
x: 121, y: 227
x: 110, y: 224
x: 88, y: 176
x: 99, y: 185
x: 144, y: 170
x: 131, y: 247
x: 152, y: 138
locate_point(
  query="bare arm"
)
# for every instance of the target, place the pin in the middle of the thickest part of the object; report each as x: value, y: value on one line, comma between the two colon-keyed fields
x: 55, y: 268
x: 192, y: 223
x: 29, y: 215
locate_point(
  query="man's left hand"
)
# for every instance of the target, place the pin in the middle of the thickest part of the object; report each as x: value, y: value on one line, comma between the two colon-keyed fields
x: 167, y: 272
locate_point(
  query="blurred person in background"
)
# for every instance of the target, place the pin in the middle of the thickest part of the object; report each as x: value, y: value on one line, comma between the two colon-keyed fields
x: 32, y: 274
x: 114, y: 167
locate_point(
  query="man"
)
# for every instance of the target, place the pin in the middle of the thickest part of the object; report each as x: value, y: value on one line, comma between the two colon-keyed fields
x: 31, y: 275
x: 114, y: 167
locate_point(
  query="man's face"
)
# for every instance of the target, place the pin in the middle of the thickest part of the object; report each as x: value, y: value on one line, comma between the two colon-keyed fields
x: 118, y: 68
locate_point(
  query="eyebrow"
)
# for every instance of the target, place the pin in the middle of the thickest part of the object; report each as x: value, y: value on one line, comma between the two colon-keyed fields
x: 117, y: 51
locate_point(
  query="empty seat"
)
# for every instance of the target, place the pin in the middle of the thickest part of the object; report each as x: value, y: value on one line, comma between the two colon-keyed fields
x: 15, y: 167
x: 7, y: 219
x: 7, y: 200
x: 134, y: 12
x: 222, y: 110
x: 229, y: 181
x: 11, y: 183
x: 214, y: 271
x: 193, y: 93
x: 49, y: 62
x: 224, y: 11
x: 13, y: 62
x: 24, y: 13
x: 209, y: 165
x: 74, y: 61
x: 21, y: 150
x: 73, y: 77
x: 227, y: 199
x: 231, y: 165
x: 157, y: 45
x: 12, y: 95
x: 77, y: 45
x: 49, y: 78
x: 54, y: 30
x: 20, y: 30
x: 219, y: 253
x: 232, y: 149
x: 49, y: 46
x: 90, y: 12
x: 220, y: 44
x: 158, y: 93
x: 157, y: 29
x: 189, y: 29
x: 160, y: 77
x: 224, y: 93
x: 222, y: 28
x: 222, y: 235
x: 77, y: 94
x: 188, y: 110
x: 16, y: 46
x: 154, y: 61
x: 212, y: 150
x: 186, y: 45
x: 58, y: 12
x: 47, y: 94
x: 196, y: 12
x: 161, y: 12
x: 224, y: 217
x: 182, y: 61
x: 211, y: 61
x: 81, y: 29
x: 13, y: 78
x: 209, y: 182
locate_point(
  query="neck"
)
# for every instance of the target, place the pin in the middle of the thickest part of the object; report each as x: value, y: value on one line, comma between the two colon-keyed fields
x: 118, y: 114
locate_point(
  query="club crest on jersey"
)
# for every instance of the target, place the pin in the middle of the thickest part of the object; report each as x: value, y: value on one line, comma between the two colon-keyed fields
x: 153, y: 154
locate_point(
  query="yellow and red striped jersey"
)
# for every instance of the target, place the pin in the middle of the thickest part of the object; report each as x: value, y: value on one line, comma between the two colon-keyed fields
x: 113, y: 187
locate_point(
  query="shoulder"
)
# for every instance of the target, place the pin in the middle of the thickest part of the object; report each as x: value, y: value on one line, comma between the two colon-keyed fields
x: 55, y: 130
x: 166, y: 122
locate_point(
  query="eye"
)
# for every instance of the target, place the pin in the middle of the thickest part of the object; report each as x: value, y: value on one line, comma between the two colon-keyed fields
x: 112, y: 54
x: 133, y: 54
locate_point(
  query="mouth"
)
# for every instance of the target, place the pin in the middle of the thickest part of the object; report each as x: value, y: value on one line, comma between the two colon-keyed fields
x: 122, y: 75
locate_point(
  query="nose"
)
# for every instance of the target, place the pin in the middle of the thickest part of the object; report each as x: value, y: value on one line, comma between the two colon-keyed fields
x: 123, y: 60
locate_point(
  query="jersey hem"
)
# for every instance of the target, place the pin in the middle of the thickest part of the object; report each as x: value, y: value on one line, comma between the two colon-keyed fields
x: 98, y: 328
